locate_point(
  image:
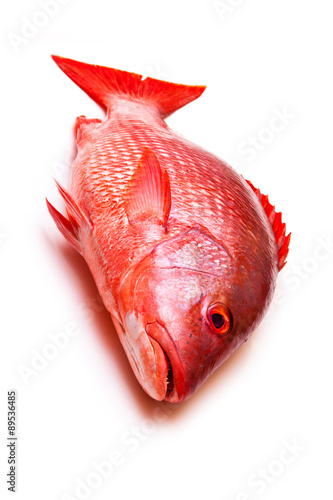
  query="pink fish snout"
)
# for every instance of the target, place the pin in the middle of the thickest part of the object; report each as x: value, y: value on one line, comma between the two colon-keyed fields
x: 171, y: 346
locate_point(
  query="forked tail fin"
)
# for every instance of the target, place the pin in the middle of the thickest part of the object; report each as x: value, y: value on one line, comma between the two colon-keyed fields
x: 103, y: 84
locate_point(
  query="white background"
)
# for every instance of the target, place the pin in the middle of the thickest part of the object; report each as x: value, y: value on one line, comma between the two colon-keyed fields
x: 230, y: 440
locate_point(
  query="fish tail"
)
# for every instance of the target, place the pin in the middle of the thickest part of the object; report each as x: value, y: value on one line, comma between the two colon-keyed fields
x: 105, y: 84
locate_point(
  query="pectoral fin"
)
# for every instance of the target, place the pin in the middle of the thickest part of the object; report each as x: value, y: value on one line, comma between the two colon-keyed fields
x: 148, y: 195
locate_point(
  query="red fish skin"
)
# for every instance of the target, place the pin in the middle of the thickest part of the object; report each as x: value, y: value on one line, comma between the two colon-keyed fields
x: 156, y: 278
x: 106, y: 161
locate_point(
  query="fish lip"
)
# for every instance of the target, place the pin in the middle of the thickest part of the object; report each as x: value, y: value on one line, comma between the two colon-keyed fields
x: 186, y: 268
x: 159, y: 334
x: 151, y: 378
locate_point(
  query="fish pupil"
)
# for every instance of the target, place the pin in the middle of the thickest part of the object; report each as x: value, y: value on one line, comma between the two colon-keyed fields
x: 218, y: 320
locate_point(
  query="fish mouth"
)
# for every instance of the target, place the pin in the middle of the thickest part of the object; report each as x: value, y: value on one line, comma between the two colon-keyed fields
x: 175, y: 380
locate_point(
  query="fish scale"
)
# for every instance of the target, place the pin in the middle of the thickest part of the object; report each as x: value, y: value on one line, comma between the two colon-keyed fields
x: 197, y: 182
x: 184, y: 252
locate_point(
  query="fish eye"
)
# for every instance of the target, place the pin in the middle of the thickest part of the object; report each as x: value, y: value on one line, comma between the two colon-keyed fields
x: 219, y: 318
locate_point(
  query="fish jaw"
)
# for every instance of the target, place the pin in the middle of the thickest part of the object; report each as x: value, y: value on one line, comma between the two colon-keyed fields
x: 152, y: 327
x: 146, y: 356
x: 176, y: 375
x: 153, y: 357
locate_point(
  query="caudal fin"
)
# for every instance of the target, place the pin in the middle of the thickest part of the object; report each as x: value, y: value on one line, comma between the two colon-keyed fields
x: 104, y: 84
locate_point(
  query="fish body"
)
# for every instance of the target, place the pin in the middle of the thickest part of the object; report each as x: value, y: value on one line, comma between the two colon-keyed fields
x: 185, y: 252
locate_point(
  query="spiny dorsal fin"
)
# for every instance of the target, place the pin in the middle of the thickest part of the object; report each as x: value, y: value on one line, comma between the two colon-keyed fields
x: 279, y: 228
x: 149, y: 195
x: 77, y: 219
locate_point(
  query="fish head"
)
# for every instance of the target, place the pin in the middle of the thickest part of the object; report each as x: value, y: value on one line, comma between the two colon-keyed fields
x: 185, y: 308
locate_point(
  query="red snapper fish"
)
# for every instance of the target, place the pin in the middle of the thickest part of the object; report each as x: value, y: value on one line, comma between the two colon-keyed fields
x: 184, y: 251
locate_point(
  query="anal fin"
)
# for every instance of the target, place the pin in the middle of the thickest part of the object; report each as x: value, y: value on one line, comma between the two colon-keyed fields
x: 77, y: 220
x: 84, y: 125
x: 64, y: 226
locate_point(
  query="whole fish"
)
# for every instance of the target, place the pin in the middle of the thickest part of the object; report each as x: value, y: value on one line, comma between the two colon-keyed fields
x: 185, y: 252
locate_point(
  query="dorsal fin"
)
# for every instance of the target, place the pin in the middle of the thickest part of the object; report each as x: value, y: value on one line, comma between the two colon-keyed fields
x: 279, y: 228
x: 149, y: 195
x: 77, y: 219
